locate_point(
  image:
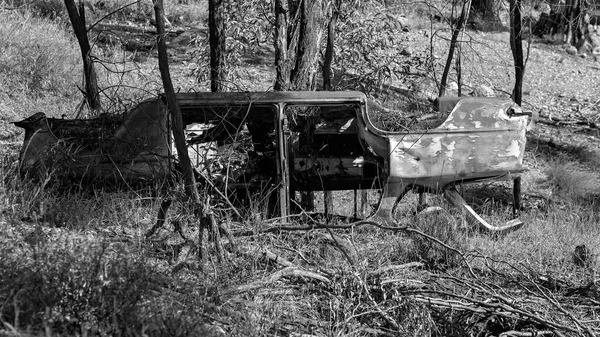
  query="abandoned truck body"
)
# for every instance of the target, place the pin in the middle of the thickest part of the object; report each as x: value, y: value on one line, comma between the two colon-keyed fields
x: 299, y: 141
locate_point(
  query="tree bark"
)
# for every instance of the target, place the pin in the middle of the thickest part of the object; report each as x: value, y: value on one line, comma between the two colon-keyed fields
x: 216, y: 24
x: 329, y: 49
x: 309, y: 40
x: 282, y: 79
x: 77, y: 18
x: 327, y: 76
x: 173, y: 106
x: 516, y: 45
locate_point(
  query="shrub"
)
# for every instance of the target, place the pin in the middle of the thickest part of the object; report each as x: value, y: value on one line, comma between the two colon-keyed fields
x: 71, y: 285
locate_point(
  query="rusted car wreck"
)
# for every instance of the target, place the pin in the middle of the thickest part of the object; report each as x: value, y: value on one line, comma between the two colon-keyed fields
x: 294, y: 141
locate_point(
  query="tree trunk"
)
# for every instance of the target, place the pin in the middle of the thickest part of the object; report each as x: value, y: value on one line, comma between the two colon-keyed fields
x: 329, y: 50
x: 516, y: 45
x: 460, y: 25
x: 327, y: 75
x: 309, y: 40
x: 77, y: 18
x: 173, y: 106
x: 297, y: 40
x: 567, y: 20
x: 282, y: 79
x: 216, y: 24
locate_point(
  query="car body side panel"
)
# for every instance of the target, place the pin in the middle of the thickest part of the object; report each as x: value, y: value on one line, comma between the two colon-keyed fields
x: 477, y: 141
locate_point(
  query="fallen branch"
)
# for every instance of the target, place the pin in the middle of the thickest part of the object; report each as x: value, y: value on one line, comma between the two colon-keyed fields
x: 277, y: 259
x: 291, y: 271
x: 405, y: 266
x: 513, y: 333
x: 556, y: 121
x: 486, y: 307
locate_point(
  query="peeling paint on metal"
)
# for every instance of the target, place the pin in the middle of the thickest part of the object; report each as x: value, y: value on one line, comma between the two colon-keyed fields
x: 478, y: 140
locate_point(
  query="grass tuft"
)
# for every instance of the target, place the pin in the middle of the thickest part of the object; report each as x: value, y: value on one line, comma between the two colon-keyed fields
x: 573, y: 180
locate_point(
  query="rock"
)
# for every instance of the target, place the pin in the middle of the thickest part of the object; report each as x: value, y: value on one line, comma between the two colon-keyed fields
x: 483, y: 90
x: 571, y: 50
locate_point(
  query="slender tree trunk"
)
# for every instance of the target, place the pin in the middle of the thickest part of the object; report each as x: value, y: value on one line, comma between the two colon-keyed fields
x: 77, y: 18
x: 216, y: 24
x: 173, y: 106
x: 302, y: 76
x: 327, y: 75
x: 460, y: 25
x: 309, y: 41
x: 282, y: 79
x: 516, y: 45
x: 329, y: 49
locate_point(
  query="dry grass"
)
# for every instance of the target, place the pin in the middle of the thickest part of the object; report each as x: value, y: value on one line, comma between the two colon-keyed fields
x: 574, y: 180
x: 36, y: 53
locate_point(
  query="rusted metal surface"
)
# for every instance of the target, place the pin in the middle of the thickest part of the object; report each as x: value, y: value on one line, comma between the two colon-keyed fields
x: 477, y: 141
x: 137, y: 150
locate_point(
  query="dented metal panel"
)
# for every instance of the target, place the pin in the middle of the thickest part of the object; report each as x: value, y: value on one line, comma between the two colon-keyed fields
x: 138, y: 149
x: 478, y: 140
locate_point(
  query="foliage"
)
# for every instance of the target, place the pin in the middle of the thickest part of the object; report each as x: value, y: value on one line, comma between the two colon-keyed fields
x: 71, y: 286
x: 370, y: 48
x: 249, y: 27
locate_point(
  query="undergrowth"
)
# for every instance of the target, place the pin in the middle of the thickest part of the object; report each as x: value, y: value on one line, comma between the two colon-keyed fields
x: 36, y: 53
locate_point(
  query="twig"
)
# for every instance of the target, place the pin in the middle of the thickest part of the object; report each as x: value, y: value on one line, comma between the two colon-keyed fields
x: 514, y: 333
x: 385, y: 269
x: 290, y: 271
x: 277, y: 259
x: 383, y: 314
